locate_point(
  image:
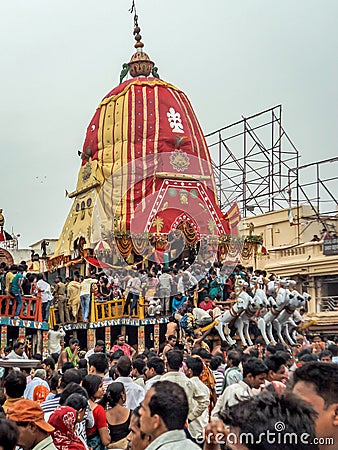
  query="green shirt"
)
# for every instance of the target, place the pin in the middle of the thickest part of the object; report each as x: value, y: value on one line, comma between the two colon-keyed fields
x: 70, y: 354
x: 173, y: 440
x: 46, y: 444
x: 16, y: 283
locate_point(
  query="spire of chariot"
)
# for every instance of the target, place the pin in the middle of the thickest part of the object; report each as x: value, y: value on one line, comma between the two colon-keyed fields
x: 140, y: 64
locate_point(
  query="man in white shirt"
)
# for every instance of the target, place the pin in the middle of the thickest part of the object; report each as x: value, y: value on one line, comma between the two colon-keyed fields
x: 232, y: 373
x: 137, y: 370
x: 135, y: 290
x: 201, y: 397
x: 46, y: 296
x: 54, y: 339
x: 38, y: 380
x: 175, y: 360
x: 271, y: 286
x: 154, y: 371
x: 99, y: 348
x: 254, y: 375
x: 18, y: 351
x: 187, y: 284
x: 85, y: 296
x: 134, y: 393
x: 163, y: 414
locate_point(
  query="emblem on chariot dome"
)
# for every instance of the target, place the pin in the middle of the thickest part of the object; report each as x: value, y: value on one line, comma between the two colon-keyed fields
x: 179, y: 160
x: 87, y: 170
x: 175, y: 121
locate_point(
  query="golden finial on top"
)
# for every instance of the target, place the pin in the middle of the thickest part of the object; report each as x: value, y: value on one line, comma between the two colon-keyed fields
x: 140, y: 63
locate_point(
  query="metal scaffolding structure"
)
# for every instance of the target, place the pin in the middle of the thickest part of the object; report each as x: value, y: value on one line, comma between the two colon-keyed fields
x: 318, y: 187
x: 257, y: 165
x: 253, y: 161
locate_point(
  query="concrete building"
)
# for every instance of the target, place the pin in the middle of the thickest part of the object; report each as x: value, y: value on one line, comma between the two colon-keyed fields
x: 34, y: 255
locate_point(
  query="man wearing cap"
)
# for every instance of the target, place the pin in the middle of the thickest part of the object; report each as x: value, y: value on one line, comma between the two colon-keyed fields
x: 33, y: 429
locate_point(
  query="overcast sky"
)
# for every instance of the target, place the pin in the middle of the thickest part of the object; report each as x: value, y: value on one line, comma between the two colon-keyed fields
x: 232, y: 58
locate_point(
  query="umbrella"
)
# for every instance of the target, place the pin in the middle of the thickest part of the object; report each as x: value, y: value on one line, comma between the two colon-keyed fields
x: 101, y: 245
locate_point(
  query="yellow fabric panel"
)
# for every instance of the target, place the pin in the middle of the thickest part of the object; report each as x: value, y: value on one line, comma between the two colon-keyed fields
x: 117, y: 152
x: 125, y: 143
x: 107, y: 157
x: 118, y: 119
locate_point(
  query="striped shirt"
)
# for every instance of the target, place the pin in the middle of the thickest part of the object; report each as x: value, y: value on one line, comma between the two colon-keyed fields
x: 219, y: 377
x: 49, y: 406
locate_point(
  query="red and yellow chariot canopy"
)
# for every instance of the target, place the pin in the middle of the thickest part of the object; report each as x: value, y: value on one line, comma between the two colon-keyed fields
x: 145, y: 168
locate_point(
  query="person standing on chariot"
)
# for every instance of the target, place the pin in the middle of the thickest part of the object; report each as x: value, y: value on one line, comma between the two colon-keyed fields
x: 17, y: 291
x: 60, y: 297
x: 164, y: 290
x: 43, y: 288
x: 85, y: 290
x: 73, y: 294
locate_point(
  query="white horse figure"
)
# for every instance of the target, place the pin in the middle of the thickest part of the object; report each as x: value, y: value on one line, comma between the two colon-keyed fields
x: 295, y: 301
x: 256, y: 303
x: 291, y: 325
x: 265, y: 323
x: 231, y: 314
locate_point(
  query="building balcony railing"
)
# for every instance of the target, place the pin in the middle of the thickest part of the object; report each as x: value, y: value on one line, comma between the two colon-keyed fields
x: 106, y: 310
x: 309, y: 248
x: 113, y: 309
x: 328, y: 303
x: 31, y: 307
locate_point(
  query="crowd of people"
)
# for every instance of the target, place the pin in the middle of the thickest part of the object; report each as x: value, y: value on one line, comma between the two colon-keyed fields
x: 189, y: 393
x: 161, y: 290
x: 182, y: 395
x: 16, y: 282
